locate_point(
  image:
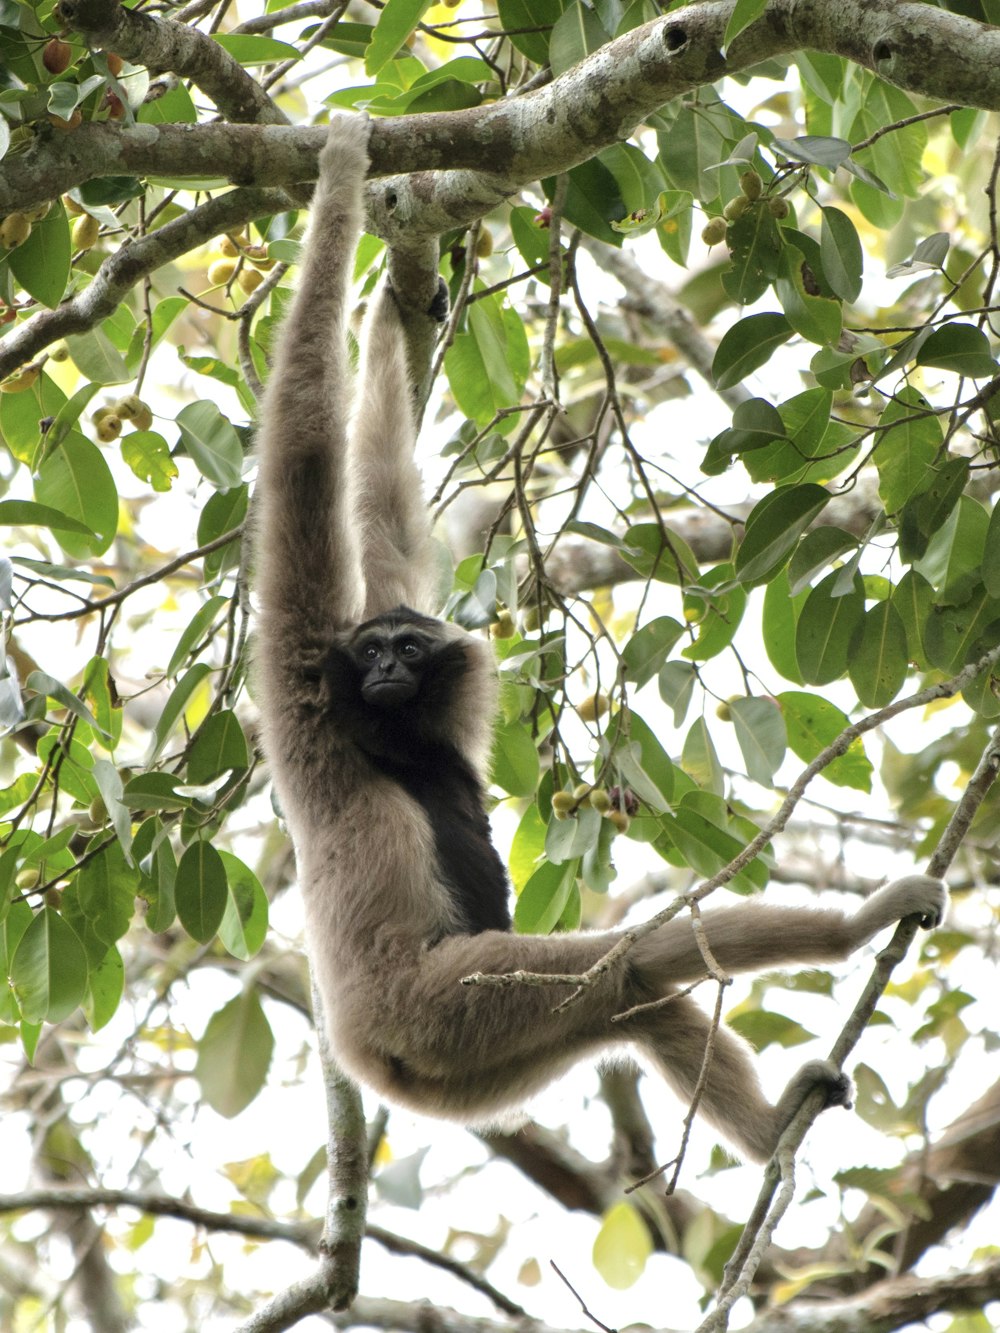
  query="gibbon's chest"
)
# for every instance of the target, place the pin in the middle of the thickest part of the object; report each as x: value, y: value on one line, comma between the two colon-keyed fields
x: 445, y: 789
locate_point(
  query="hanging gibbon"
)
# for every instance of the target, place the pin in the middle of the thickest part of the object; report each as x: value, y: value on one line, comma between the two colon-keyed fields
x: 377, y: 723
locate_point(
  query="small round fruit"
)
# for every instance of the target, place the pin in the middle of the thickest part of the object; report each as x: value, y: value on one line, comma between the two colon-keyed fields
x: 109, y: 428
x: 143, y: 419
x: 14, y: 230
x: 735, y: 209
x: 21, y: 381
x: 484, y: 243
x: 115, y: 63
x: 64, y: 125
x: 57, y: 55
x: 778, y: 208
x: 257, y: 254
x: 128, y: 406
x: 228, y: 247
x: 723, y: 712
x: 600, y: 801
x: 114, y: 105
x: 751, y: 184
x: 98, y: 811
x: 620, y: 820
x: 86, y: 230
x: 714, y: 231
x: 594, y: 706
x: 59, y: 351
x: 503, y: 626
x: 72, y: 207
x: 563, y: 802
x: 249, y: 279
x: 28, y: 878
x: 220, y: 271
x: 38, y: 212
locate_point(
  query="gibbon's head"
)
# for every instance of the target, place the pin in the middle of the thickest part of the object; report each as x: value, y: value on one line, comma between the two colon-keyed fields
x: 402, y: 656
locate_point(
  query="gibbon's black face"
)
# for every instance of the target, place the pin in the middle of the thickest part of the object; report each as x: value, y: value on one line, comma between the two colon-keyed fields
x: 392, y: 654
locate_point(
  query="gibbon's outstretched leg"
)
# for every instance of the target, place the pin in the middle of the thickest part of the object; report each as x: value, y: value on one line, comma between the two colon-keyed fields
x: 377, y: 720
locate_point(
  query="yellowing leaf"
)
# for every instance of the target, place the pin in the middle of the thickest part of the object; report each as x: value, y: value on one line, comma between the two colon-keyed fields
x: 622, y: 1246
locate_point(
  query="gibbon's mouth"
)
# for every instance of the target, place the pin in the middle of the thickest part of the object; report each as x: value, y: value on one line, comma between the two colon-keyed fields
x: 387, y: 693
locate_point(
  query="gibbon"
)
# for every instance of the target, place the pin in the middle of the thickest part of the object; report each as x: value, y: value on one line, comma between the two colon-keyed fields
x: 377, y: 722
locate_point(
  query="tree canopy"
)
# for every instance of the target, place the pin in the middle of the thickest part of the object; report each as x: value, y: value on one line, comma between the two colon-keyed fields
x: 711, y: 438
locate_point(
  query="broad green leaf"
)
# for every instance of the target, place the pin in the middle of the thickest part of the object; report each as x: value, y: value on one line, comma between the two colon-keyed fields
x: 175, y: 106
x: 816, y: 551
x: 642, y: 762
x: 244, y: 922
x: 42, y: 263
x: 543, y: 899
x: 44, y: 684
x: 148, y: 455
x: 234, y: 1055
x: 97, y: 358
x: 913, y: 598
x: 676, y: 681
x: 570, y: 839
x: 105, y: 988
x: 773, y: 529
x: 700, y: 760
x: 760, y: 732
x: 395, y: 23
x: 515, y: 759
x: 816, y: 149
x: 106, y: 890
x: 961, y: 348
x: 200, y: 891
x: 957, y: 635
x: 747, y: 346
x: 527, y: 847
x: 622, y: 1246
x: 76, y: 480
x: 878, y: 656
x: 212, y: 442
x: 762, y: 1028
x: 27, y: 513
x: 925, y: 514
x: 744, y: 13
x: 842, y: 255
x: 755, y: 248
x: 649, y: 647
x: 48, y: 970
x: 529, y: 23
x: 13, y: 923
x: 706, y: 847
x: 219, y: 747
x: 991, y: 554
x: 255, y: 49
x: 757, y: 425
x: 658, y: 553
x: 814, y: 316
x: 154, y: 791
x: 954, y: 556
x: 908, y: 441
x: 576, y: 33
x: 825, y: 629
x: 779, y: 622
x: 812, y: 724
x: 717, y: 616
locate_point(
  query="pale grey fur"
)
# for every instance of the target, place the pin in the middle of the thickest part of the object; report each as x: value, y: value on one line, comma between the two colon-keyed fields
x: 341, y: 537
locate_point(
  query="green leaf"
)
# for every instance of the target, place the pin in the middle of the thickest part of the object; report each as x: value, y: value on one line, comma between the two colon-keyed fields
x: 76, y: 480
x: 755, y: 248
x: 576, y: 33
x: 529, y: 23
x: 622, y: 1246
x: 842, y: 256
x: 244, y: 922
x: 148, y: 455
x: 543, y: 899
x: 175, y: 706
x: 957, y: 635
x: 762, y: 1028
x: 825, y: 629
x: 878, y: 656
x: 760, y: 731
x: 954, y: 556
x: 676, y: 682
x: 254, y: 49
x: 28, y: 514
x: 42, y: 683
x: 515, y: 759
x: 395, y: 23
x: 814, y: 316
x: 961, y: 348
x: 816, y: 551
x: 49, y: 969
x: 925, y: 514
x: 773, y: 529
x: 200, y: 891
x: 717, y: 613
x: 234, y: 1055
x: 658, y: 553
x: 42, y: 263
x: 908, y: 441
x: 97, y: 358
x: 700, y: 760
x: 913, y: 597
x: 813, y: 723
x: 105, y: 988
x: 747, y: 346
x: 212, y: 442
x: 649, y: 647
x: 641, y: 760
x: 570, y: 839
x: 106, y: 890
x: 991, y: 554
x: 816, y: 149
x: 744, y: 13
x: 219, y: 747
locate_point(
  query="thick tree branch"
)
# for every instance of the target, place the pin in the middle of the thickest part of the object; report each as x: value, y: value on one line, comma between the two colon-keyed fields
x: 596, y: 103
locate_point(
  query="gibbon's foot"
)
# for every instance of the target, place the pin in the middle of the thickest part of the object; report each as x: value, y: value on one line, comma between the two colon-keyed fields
x: 438, y: 308
x: 347, y: 138
x: 836, y: 1086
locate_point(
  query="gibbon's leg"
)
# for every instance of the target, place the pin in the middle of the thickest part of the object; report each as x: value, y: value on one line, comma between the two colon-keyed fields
x: 310, y: 577
x: 398, y: 558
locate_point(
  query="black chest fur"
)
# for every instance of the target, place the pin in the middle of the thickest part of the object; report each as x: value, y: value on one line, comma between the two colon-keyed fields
x: 446, y: 789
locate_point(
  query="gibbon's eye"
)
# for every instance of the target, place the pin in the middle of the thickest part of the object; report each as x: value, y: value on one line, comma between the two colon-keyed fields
x: 409, y: 648
x: 371, y: 651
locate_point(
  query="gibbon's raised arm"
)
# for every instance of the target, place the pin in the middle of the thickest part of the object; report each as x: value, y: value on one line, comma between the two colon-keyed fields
x: 376, y: 721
